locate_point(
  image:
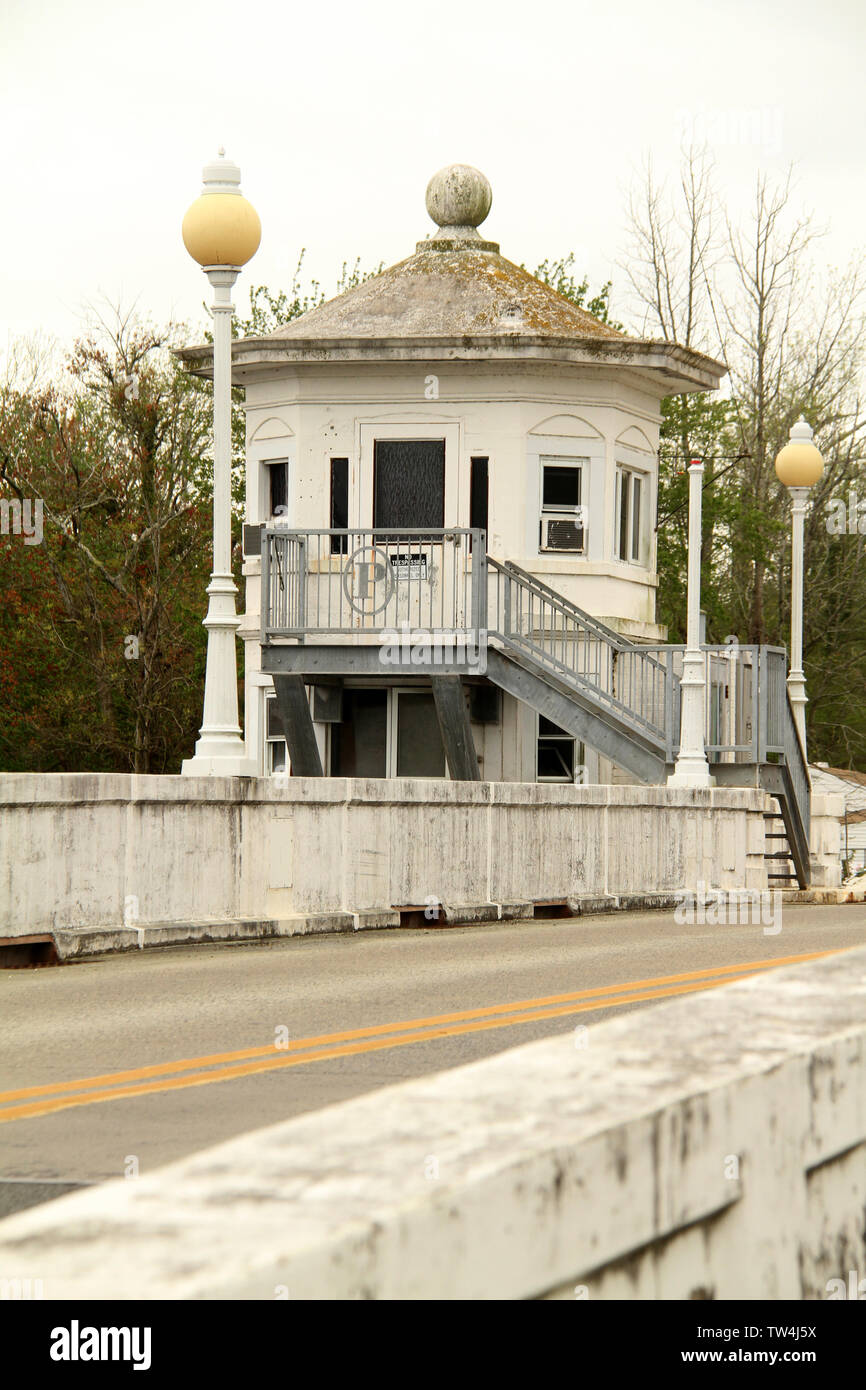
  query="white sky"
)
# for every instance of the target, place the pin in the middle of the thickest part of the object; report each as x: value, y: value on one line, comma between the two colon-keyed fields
x: 338, y: 113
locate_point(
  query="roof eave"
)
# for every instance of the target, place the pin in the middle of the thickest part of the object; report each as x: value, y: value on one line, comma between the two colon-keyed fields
x: 686, y: 369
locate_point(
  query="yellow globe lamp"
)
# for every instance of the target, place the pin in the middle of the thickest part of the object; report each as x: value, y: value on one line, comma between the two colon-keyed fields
x: 222, y: 232
x: 221, y: 228
x: 799, y: 464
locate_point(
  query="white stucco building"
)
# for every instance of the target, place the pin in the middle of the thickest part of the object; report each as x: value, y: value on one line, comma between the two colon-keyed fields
x: 452, y: 392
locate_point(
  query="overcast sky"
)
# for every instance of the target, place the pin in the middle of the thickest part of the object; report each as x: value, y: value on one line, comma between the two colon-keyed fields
x: 338, y: 114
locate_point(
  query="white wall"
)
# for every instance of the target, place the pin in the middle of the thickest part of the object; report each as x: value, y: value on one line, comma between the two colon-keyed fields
x: 96, y: 850
x: 511, y: 416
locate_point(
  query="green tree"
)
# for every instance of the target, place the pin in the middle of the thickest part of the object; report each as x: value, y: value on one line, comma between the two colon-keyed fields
x: 101, y: 644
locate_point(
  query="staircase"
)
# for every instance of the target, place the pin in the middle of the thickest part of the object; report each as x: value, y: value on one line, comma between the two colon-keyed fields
x: 777, y: 855
x: 624, y: 701
x: 579, y: 673
x: 620, y: 697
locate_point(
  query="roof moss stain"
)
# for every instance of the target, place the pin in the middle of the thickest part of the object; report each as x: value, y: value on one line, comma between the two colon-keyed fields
x: 448, y: 293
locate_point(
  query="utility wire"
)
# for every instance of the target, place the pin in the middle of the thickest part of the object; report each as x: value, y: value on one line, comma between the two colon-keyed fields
x: 709, y: 483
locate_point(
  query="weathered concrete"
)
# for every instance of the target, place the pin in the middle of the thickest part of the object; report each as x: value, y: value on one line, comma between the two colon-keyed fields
x: 827, y: 814
x: 712, y: 1147
x: 139, y: 860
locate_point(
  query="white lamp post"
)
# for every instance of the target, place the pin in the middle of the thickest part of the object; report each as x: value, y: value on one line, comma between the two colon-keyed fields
x: 221, y: 231
x: 692, y: 768
x: 799, y: 466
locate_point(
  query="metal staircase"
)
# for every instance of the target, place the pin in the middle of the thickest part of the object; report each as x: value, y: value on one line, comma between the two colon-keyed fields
x: 573, y: 669
x: 623, y: 699
x: 329, y: 597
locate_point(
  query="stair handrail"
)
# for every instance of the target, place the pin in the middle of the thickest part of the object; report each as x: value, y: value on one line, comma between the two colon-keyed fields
x: 607, y: 634
x: 617, y: 646
x: 797, y: 774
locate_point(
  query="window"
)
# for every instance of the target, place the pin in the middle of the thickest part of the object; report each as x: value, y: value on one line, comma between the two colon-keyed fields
x: 631, y: 493
x: 478, y: 494
x: 359, y: 742
x: 409, y: 484
x: 562, y: 513
x: 555, y: 758
x: 418, y: 744
x: 275, y: 734
x: 339, y: 505
x: 387, y: 733
x: 276, y: 487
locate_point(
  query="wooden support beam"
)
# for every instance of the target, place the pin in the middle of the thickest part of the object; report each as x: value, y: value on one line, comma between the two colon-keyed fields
x: 455, y: 728
x: 294, y: 709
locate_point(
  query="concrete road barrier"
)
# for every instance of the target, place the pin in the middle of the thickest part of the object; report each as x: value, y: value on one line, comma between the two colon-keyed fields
x: 709, y: 1147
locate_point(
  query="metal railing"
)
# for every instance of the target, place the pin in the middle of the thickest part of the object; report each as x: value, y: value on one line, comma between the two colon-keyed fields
x: 534, y: 619
x: 796, y: 775
x: 352, y: 580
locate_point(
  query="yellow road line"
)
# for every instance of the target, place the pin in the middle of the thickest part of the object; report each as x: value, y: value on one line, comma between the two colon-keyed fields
x: 377, y: 1030
x: 433, y: 1028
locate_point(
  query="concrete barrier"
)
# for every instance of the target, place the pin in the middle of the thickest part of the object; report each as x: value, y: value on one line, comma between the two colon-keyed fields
x: 710, y: 1147
x: 111, y: 861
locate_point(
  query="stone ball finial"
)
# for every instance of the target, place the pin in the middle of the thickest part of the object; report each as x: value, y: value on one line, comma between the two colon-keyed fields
x: 459, y: 196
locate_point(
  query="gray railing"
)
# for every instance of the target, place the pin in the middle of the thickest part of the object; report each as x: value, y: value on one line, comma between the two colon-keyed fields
x: 350, y: 581
x: 359, y: 581
x: 745, y: 703
x: 533, y: 618
x: 796, y: 775
x: 749, y: 719
x: 732, y: 721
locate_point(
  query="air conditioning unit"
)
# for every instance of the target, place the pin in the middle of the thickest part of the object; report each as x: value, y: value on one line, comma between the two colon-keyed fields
x: 562, y: 531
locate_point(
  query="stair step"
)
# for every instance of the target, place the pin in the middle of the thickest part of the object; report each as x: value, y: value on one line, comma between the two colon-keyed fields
x: 778, y: 854
x: 775, y: 837
x: 789, y: 877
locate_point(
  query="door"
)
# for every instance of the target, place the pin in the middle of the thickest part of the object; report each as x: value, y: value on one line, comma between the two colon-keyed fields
x: 409, y: 492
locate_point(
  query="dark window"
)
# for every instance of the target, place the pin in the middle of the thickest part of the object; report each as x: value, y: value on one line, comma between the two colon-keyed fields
x: 409, y: 484
x: 339, y: 504
x: 478, y: 494
x: 276, y: 737
x: 555, y: 758
x: 623, y: 515
x: 630, y: 505
x: 359, y: 741
x: 561, y: 488
x: 420, y: 752
x: 278, y: 488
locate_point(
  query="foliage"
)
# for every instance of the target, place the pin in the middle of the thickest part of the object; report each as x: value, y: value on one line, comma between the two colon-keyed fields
x: 559, y: 274
x: 101, y: 644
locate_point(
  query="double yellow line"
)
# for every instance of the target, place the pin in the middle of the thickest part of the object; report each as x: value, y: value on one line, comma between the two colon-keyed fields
x: 32, y: 1101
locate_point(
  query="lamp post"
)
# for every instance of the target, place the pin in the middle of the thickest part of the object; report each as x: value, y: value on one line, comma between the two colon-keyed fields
x: 799, y: 466
x: 692, y: 768
x: 221, y: 231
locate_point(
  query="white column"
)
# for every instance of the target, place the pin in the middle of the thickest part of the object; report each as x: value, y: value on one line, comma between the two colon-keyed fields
x: 796, y: 676
x: 220, y: 749
x: 692, y: 768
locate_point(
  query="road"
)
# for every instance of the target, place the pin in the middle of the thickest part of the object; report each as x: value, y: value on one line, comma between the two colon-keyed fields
x: 124, y: 1063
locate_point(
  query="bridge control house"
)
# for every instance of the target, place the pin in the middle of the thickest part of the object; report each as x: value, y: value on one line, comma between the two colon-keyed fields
x: 450, y: 546
x: 449, y: 624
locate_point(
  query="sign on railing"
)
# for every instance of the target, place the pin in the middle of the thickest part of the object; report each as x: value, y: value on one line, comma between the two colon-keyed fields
x: 366, y: 580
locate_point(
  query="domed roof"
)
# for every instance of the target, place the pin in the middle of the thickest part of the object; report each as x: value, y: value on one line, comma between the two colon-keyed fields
x: 455, y: 285
x: 458, y: 299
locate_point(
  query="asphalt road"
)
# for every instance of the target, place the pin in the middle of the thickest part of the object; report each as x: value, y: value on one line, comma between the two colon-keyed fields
x: 131, y: 1061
